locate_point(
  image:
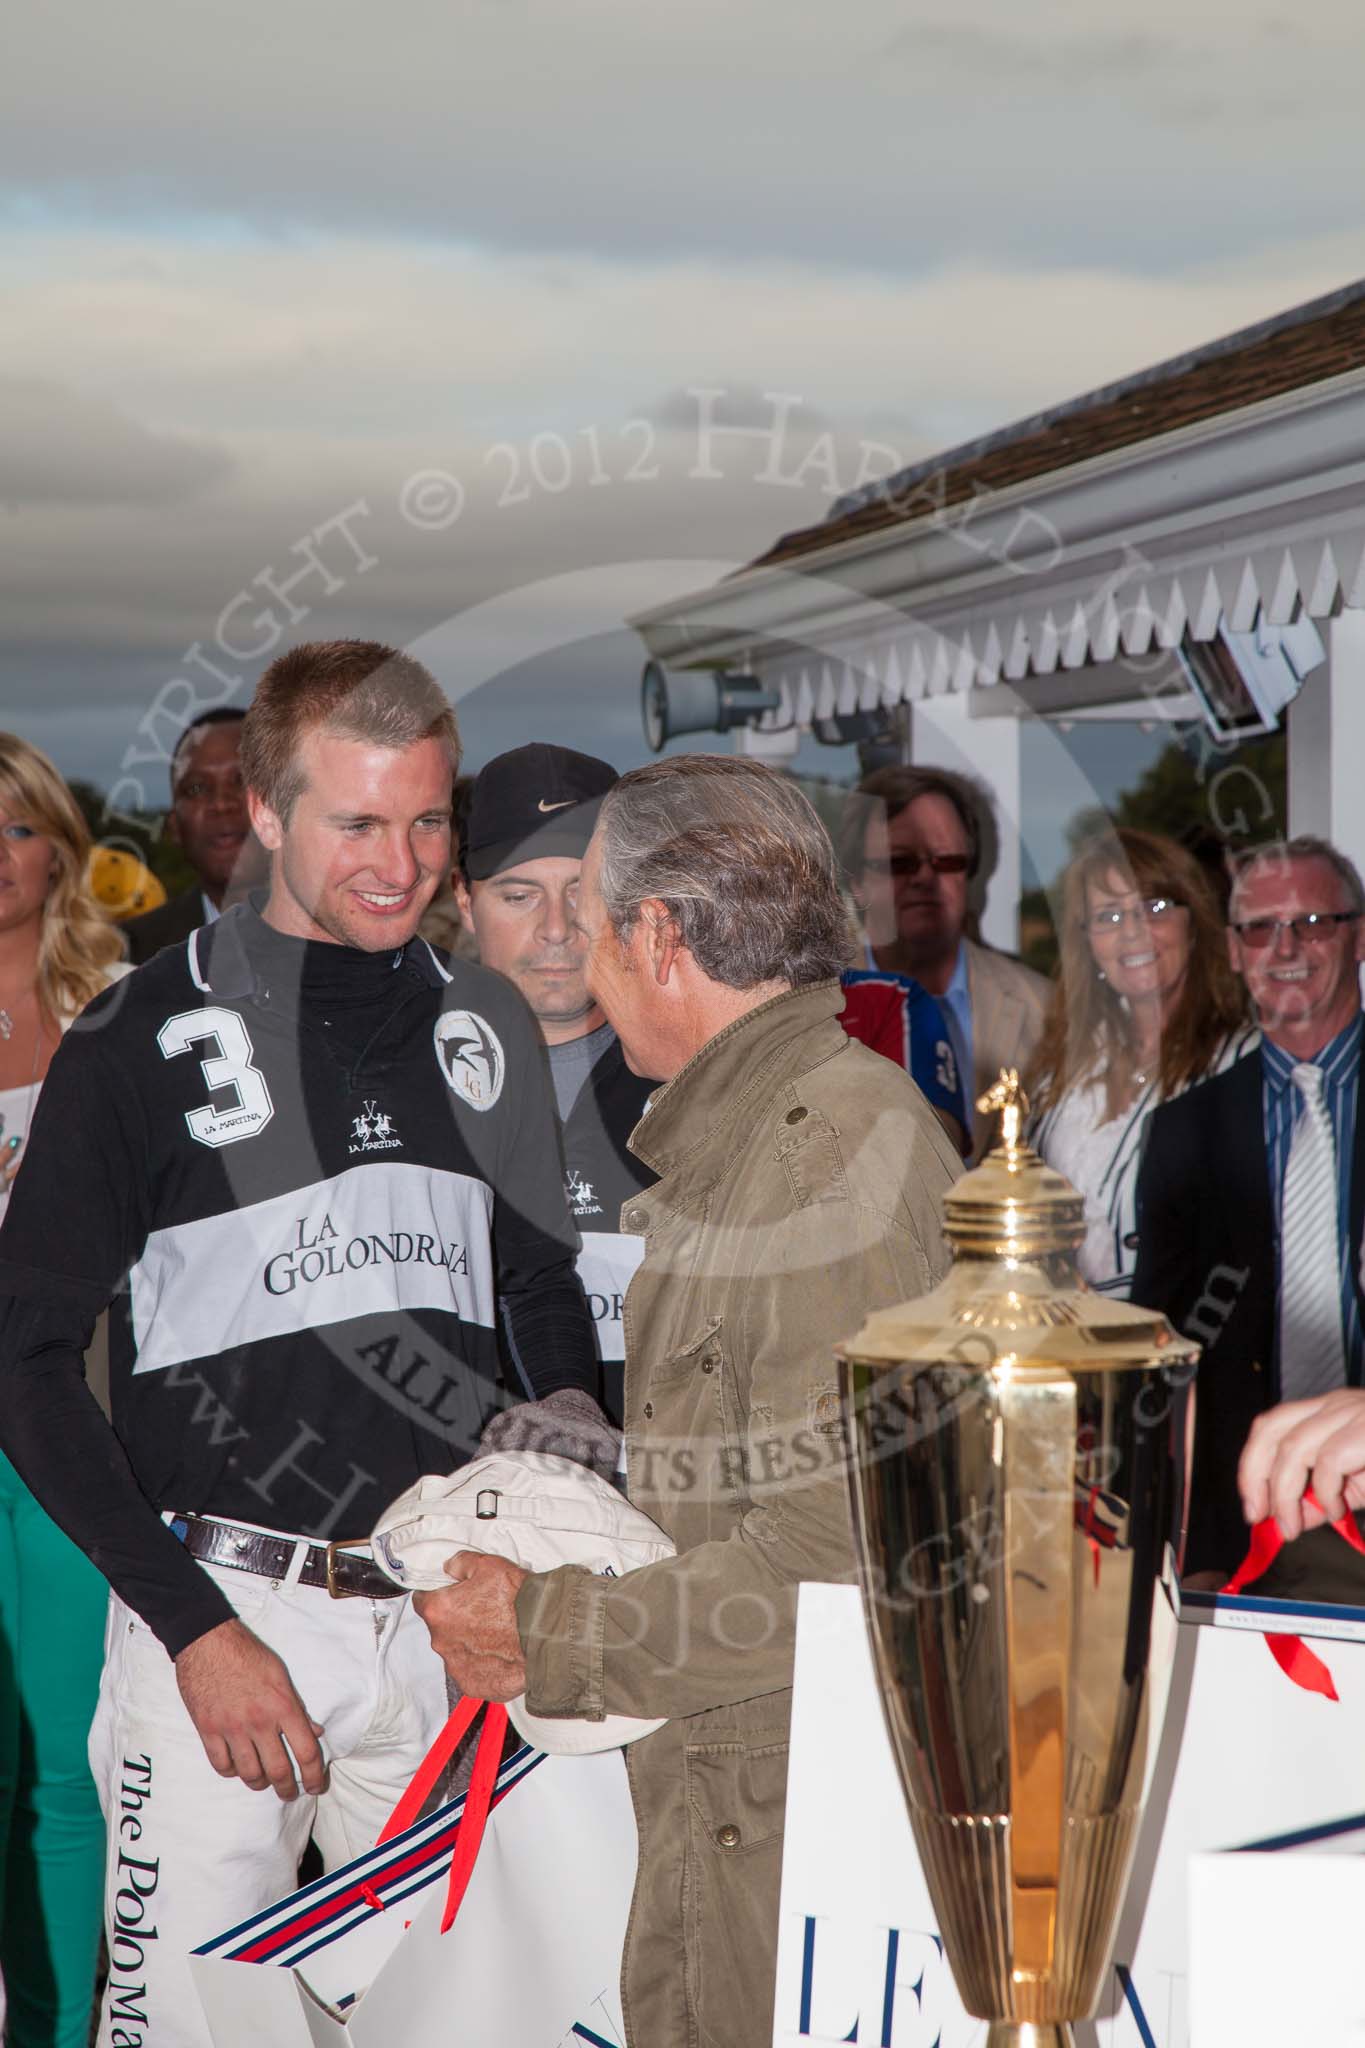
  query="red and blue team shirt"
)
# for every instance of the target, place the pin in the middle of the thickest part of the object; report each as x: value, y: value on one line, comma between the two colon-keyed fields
x: 895, y: 1016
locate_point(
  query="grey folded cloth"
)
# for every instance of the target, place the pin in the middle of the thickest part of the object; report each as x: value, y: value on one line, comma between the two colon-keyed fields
x: 567, y: 1424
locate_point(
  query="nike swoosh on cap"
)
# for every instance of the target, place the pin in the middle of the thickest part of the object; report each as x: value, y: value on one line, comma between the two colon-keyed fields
x: 566, y: 803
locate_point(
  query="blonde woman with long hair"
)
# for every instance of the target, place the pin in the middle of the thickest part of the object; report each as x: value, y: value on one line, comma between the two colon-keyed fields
x: 1146, y: 1004
x: 57, y: 950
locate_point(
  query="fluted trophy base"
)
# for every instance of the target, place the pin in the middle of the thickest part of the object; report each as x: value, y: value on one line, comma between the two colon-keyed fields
x: 1029, y: 2034
x: 1018, y: 1495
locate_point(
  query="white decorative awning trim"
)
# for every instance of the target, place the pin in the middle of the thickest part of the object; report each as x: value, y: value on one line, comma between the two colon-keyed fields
x: 1261, y: 511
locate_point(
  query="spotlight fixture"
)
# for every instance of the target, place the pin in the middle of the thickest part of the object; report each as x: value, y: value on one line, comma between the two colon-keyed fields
x: 683, y: 702
x: 1245, y: 681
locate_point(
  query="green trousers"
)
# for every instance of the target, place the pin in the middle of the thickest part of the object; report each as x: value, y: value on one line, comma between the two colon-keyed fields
x: 52, y: 1605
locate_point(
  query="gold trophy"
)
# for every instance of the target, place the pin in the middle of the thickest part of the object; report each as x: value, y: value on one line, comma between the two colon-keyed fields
x: 1021, y: 1451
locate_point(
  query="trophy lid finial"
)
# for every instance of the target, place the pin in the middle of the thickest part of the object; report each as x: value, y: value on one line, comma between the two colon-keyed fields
x: 1014, y: 1293
x: 1013, y: 1203
x: 1009, y: 1098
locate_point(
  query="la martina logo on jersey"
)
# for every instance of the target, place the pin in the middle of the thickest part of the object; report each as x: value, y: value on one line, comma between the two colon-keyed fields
x: 373, y: 1131
x: 319, y: 1252
x: 581, y: 1193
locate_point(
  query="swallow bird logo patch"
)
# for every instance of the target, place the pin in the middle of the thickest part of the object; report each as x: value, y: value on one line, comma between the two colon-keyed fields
x: 471, y: 1057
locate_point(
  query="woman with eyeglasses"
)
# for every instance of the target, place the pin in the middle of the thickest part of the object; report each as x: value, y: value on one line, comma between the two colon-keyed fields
x: 57, y: 950
x: 1145, y: 1005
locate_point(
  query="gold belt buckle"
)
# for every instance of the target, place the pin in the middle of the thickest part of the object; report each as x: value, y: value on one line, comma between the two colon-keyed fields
x: 334, y: 1591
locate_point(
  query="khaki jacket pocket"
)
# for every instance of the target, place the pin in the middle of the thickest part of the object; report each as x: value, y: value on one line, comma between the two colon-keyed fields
x: 736, y: 1796
x: 682, y: 1392
x: 701, y: 1353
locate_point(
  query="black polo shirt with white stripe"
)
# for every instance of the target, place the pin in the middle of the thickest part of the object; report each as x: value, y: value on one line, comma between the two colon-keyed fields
x: 305, y: 1175
x: 602, y: 1177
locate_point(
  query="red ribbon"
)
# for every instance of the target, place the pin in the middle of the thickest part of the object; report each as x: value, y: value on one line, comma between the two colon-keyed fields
x: 478, y: 1798
x: 1088, y: 1526
x: 1291, y: 1653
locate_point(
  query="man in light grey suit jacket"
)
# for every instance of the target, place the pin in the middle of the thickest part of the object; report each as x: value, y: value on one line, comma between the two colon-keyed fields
x: 1008, y: 1003
x: 911, y: 845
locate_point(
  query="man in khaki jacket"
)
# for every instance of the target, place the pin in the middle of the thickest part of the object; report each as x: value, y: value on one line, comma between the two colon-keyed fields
x: 800, y: 1179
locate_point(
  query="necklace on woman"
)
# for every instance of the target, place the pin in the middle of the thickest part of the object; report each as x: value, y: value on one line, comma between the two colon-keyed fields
x: 8, y: 1020
x: 1145, y: 1066
x: 10, y: 1145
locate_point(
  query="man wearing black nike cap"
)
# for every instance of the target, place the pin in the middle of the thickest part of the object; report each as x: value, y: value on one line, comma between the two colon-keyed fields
x: 528, y: 820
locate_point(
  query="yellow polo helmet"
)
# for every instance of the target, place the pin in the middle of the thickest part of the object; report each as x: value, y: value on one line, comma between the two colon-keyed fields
x: 123, y: 884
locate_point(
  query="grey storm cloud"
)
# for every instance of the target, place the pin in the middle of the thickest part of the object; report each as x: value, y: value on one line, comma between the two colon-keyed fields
x: 59, y: 446
x: 268, y: 263
x: 1271, y: 76
x: 658, y: 134
x: 1130, y: 59
x: 737, y: 405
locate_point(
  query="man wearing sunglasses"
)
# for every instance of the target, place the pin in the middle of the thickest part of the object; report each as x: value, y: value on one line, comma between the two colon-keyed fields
x: 911, y: 846
x: 1251, y: 1198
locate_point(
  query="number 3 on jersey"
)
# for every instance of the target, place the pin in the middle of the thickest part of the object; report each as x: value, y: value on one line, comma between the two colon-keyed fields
x: 229, y: 1068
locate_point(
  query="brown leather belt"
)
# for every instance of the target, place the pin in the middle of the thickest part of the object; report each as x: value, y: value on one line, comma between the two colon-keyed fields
x: 346, y: 1577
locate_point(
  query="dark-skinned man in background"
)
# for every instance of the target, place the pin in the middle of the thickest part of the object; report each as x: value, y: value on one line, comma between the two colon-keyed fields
x: 209, y: 822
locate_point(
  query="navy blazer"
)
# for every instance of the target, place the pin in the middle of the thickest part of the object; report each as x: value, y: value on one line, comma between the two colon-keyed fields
x: 1206, y: 1258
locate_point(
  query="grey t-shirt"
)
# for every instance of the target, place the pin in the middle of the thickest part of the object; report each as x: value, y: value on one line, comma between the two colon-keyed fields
x: 571, y: 1064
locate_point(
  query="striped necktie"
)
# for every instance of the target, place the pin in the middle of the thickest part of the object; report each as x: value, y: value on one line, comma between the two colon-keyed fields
x: 1312, y: 1351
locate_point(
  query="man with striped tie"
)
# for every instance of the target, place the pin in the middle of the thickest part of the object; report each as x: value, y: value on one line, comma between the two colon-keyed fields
x: 1251, y: 1199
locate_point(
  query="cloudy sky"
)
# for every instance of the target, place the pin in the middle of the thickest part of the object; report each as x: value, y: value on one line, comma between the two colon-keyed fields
x: 413, y: 305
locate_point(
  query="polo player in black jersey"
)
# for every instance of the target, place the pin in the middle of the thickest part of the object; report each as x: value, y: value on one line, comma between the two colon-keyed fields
x: 304, y: 1159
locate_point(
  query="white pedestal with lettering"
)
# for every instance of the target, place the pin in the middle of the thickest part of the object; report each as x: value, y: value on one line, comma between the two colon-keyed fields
x: 1248, y: 1759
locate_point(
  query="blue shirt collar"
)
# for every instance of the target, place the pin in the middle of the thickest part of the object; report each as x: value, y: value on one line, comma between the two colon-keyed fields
x: 958, y: 986
x: 1336, y: 1058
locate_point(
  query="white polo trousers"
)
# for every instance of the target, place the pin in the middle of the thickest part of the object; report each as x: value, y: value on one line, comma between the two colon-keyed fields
x: 190, y: 1853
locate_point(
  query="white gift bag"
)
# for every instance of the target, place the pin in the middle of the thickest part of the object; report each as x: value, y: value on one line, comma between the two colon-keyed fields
x: 1248, y: 1760
x: 1275, y: 1945
x: 359, y: 1960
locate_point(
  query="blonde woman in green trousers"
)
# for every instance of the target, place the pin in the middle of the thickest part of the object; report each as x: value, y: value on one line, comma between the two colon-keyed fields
x: 57, y: 950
